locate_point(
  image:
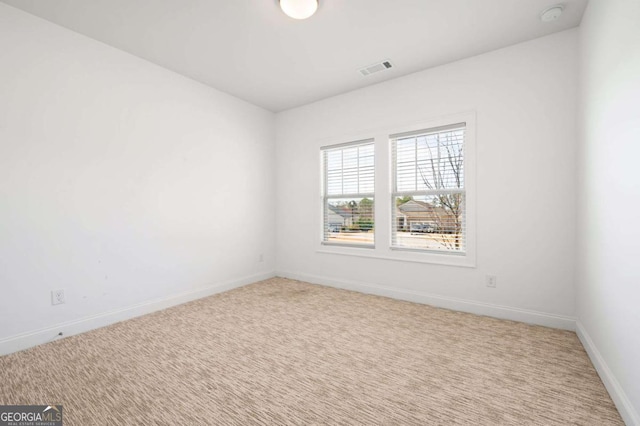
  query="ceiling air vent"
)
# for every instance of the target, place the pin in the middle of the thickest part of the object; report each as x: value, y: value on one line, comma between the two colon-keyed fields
x: 377, y: 67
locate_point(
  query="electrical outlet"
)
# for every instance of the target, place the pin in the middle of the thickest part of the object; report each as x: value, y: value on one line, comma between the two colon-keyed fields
x: 57, y: 297
x: 261, y: 258
x: 491, y: 281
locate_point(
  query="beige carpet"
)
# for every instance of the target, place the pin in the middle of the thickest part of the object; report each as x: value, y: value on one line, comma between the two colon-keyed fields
x: 287, y: 352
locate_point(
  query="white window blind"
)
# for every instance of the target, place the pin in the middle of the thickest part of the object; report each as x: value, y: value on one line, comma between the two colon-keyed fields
x: 348, y: 194
x: 428, y: 199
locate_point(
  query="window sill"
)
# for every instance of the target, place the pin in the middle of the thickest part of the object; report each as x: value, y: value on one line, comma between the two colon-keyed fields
x: 400, y: 255
x: 348, y: 246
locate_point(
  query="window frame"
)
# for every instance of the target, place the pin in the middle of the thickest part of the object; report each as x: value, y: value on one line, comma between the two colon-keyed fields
x: 326, y: 197
x: 393, y: 139
x: 383, y: 191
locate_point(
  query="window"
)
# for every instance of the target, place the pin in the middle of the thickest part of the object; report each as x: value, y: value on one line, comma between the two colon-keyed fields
x: 428, y: 194
x: 348, y: 194
x: 426, y: 202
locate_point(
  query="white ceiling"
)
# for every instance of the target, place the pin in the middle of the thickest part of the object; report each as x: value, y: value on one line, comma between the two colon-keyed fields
x: 250, y: 49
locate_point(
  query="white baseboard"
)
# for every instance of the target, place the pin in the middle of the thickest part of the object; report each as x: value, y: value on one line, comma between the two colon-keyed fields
x: 479, y: 308
x: 619, y: 397
x: 70, y: 328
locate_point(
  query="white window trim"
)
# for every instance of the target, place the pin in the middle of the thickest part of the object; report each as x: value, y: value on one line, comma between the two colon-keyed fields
x: 384, y: 188
x: 395, y: 192
x: 326, y: 197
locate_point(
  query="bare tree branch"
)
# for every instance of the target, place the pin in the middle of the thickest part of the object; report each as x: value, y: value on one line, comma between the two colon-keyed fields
x: 450, y: 222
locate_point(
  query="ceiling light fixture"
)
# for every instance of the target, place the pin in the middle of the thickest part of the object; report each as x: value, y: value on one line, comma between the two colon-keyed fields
x: 299, y: 9
x: 551, y: 14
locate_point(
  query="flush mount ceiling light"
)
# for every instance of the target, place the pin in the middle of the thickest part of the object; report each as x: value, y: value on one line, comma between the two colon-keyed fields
x: 299, y: 9
x: 551, y: 14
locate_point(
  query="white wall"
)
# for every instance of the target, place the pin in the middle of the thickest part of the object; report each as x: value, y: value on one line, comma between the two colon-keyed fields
x: 524, y: 97
x: 608, y: 279
x: 120, y: 182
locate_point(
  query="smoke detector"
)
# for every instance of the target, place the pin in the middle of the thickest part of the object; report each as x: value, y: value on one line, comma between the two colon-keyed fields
x: 377, y: 67
x: 551, y: 14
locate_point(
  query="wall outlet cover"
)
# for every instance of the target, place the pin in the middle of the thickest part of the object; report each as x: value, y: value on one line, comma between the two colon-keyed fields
x: 57, y: 297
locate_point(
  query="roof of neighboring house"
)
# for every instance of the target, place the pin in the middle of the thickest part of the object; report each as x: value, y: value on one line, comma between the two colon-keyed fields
x: 416, y: 206
x: 342, y: 211
x: 422, y: 210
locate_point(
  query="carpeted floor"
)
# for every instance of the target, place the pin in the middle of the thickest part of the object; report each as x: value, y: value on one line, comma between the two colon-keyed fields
x: 287, y: 352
